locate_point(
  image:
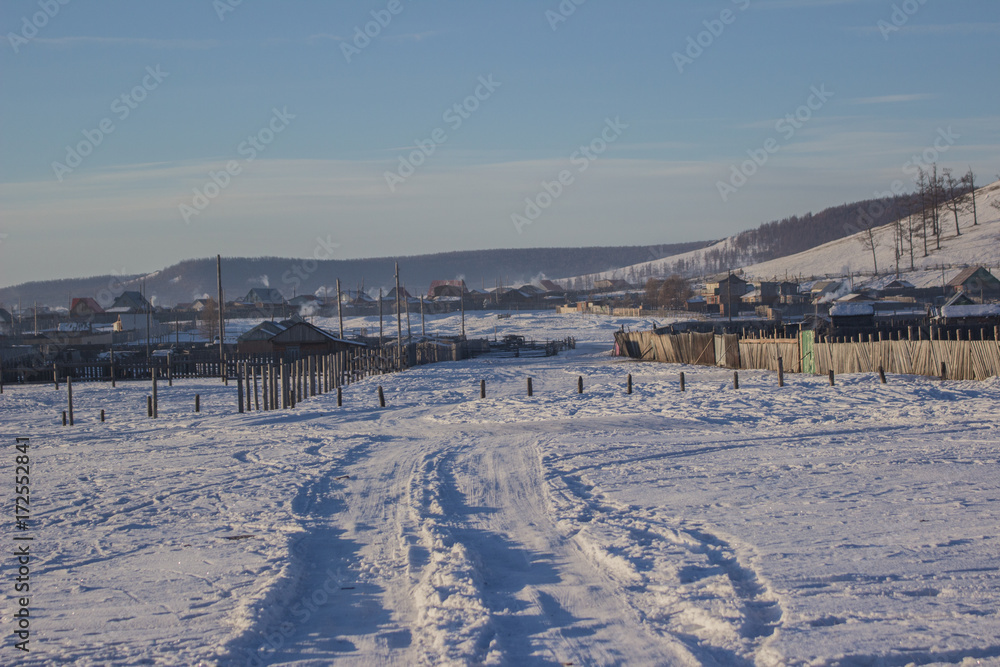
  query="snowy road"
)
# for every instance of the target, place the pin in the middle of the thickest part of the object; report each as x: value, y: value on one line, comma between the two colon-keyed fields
x: 817, y: 525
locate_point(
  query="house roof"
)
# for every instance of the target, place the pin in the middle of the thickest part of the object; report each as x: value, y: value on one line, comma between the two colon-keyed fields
x: 550, y: 286
x: 265, y: 295
x: 304, y: 331
x: 959, y: 299
x: 86, y: 302
x: 972, y: 272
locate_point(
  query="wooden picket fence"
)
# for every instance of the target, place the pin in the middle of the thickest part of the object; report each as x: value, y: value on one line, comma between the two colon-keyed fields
x: 954, y: 359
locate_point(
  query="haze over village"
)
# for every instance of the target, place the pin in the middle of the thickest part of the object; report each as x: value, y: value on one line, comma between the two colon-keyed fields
x: 560, y: 333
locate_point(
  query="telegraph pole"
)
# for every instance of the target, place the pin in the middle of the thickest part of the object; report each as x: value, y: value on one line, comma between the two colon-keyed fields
x: 222, y: 325
x: 399, y: 321
x: 340, y: 310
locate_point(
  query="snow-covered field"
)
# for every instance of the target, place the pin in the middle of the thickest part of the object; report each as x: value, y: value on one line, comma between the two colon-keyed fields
x: 846, y: 525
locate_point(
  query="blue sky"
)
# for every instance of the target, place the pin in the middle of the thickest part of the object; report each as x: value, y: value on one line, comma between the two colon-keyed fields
x: 642, y: 125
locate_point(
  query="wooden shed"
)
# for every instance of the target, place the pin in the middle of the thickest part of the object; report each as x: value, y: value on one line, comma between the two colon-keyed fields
x: 303, y: 340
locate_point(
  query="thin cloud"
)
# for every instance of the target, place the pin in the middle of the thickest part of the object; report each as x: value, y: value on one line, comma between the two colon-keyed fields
x: 189, y: 44
x: 892, y: 99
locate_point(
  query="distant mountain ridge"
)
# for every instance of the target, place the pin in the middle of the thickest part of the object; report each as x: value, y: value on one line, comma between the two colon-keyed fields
x: 188, y: 280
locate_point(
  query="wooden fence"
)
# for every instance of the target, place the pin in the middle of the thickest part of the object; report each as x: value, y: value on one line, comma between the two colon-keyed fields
x: 955, y: 359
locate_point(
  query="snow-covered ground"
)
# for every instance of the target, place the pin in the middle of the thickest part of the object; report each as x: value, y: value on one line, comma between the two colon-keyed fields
x: 846, y: 525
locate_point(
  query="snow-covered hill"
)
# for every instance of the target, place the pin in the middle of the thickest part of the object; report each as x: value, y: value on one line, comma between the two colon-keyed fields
x: 977, y: 245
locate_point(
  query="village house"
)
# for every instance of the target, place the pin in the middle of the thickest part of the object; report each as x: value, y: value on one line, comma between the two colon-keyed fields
x: 977, y: 282
x: 723, y: 293
x: 84, y: 307
x: 130, y: 302
x: 264, y: 296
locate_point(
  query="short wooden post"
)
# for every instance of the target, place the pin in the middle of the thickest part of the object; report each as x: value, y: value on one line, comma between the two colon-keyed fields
x: 340, y: 396
x: 944, y: 372
x: 55, y: 375
x: 149, y: 406
x: 112, y: 368
x: 256, y: 396
x: 482, y: 389
x: 579, y: 384
x: 736, y: 379
x: 832, y: 383
x: 102, y: 414
x: 683, y: 382
x: 239, y: 389
x: 64, y: 417
x: 628, y: 384
x: 381, y: 397
x: 156, y: 412
x: 197, y: 402
x: 170, y: 370
x: 781, y: 372
x: 69, y: 398
x: 529, y: 387
x: 881, y: 374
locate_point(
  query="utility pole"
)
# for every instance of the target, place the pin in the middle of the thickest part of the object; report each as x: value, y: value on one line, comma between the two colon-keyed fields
x: 399, y: 321
x: 148, y: 329
x: 423, y: 323
x: 340, y: 310
x: 729, y: 294
x: 222, y: 325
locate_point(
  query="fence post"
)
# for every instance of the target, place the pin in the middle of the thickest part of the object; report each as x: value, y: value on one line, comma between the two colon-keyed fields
x: 881, y: 374
x: 529, y: 387
x: 381, y: 397
x: 628, y: 384
x: 149, y: 406
x: 155, y: 398
x: 579, y: 384
x: 340, y: 396
x: 781, y: 372
x: 170, y: 371
x: 736, y: 379
x: 69, y: 398
x: 944, y: 372
x: 64, y: 417
x: 239, y: 389
x: 102, y: 414
x: 482, y: 389
x: 256, y: 396
x: 682, y: 381
x: 55, y: 375
x: 197, y: 402
x: 832, y: 382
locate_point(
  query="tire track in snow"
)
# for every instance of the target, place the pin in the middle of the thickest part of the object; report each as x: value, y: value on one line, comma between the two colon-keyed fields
x: 453, y: 625
x: 684, y: 581
x: 495, y: 569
